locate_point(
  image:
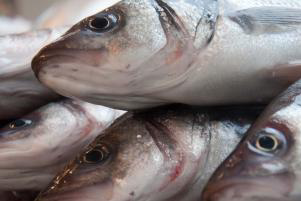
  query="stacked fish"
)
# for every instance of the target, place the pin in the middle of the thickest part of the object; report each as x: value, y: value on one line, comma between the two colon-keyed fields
x: 195, y: 76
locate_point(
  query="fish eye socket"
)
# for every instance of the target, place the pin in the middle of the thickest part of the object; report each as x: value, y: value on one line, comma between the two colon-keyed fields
x: 103, y: 23
x: 19, y: 123
x: 97, y: 155
x: 267, y: 143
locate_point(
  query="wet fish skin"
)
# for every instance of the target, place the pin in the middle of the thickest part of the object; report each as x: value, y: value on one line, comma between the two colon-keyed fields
x: 266, y: 164
x: 62, y: 13
x: 163, y: 154
x: 20, y: 91
x: 35, y: 147
x: 156, y: 52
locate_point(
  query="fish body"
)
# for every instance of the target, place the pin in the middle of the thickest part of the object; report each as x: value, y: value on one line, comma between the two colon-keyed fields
x: 20, y: 91
x: 36, y: 146
x: 67, y: 13
x: 266, y: 164
x: 143, y: 53
x: 163, y: 154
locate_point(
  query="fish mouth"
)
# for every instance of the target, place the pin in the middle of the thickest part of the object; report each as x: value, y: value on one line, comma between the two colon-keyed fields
x: 246, y: 189
x: 53, y: 59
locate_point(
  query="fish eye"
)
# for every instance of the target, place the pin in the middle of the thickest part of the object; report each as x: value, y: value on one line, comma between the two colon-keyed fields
x: 19, y: 123
x: 103, y: 22
x: 267, y: 143
x: 96, y: 155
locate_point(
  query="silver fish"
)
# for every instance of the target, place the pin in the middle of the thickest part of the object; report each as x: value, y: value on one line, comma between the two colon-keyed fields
x: 143, y: 53
x: 69, y: 12
x: 35, y: 147
x: 20, y: 92
x: 267, y: 163
x: 164, y: 154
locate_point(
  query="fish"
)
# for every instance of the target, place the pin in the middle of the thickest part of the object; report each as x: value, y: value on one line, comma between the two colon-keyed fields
x: 266, y: 164
x: 140, y: 54
x: 69, y: 12
x: 20, y: 91
x: 160, y: 154
x: 35, y: 147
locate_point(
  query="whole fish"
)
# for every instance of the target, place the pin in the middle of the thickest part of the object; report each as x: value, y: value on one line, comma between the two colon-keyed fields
x: 20, y: 91
x: 69, y: 12
x: 34, y: 148
x: 163, y: 154
x: 267, y: 163
x: 143, y: 53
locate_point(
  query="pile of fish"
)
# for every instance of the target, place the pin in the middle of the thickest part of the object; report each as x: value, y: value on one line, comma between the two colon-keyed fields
x: 151, y: 100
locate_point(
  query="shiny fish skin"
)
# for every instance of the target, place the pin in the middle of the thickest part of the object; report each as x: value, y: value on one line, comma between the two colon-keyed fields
x: 63, y: 13
x: 264, y: 169
x: 163, y: 154
x: 197, y: 52
x: 34, y: 148
x: 20, y: 92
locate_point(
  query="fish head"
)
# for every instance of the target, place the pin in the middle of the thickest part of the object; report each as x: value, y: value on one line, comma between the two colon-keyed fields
x: 118, y: 165
x: 141, y: 156
x: 266, y: 164
x: 39, y: 144
x: 103, y: 55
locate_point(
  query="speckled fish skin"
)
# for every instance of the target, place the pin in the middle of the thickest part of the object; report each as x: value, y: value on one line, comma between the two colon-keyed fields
x: 163, y: 154
x: 197, y: 52
x: 34, y: 148
x: 20, y: 91
x: 266, y: 164
x: 69, y: 12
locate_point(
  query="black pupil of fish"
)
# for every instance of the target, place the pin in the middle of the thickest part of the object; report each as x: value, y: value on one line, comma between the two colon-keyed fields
x: 100, y: 23
x: 267, y: 142
x: 94, y: 156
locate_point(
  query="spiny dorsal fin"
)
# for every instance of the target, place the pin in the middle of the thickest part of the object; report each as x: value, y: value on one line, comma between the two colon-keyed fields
x: 260, y: 20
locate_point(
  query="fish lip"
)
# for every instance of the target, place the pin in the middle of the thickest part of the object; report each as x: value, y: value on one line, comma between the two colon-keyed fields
x: 235, y: 184
x: 50, y: 58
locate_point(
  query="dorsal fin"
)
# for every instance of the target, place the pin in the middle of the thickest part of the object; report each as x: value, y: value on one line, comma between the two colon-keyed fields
x: 260, y: 20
